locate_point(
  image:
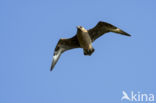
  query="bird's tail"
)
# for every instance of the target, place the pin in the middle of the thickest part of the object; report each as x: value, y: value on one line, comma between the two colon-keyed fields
x: 88, y: 51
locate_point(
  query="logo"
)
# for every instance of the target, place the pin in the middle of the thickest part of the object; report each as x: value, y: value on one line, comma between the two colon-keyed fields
x: 137, y: 96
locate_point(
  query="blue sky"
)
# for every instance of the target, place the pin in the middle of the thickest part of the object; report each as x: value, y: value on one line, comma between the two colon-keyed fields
x: 30, y: 30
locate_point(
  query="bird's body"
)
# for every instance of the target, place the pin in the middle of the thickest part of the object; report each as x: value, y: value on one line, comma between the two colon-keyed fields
x: 84, y: 39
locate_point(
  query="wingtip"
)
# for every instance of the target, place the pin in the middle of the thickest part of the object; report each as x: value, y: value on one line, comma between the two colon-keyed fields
x: 52, y: 67
x: 124, y: 33
x: 129, y: 35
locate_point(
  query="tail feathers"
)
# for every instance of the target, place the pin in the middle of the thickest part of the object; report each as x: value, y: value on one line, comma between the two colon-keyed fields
x: 88, y: 51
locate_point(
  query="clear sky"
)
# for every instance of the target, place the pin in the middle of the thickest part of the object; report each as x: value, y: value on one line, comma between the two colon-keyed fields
x: 30, y: 30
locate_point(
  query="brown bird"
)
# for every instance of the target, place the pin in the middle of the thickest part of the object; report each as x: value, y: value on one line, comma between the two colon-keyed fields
x: 83, y: 39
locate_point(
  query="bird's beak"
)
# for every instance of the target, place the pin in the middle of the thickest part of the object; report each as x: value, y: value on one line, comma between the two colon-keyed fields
x: 55, y: 59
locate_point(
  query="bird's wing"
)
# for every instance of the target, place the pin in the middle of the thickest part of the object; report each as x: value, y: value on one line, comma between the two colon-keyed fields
x: 102, y: 28
x: 63, y: 45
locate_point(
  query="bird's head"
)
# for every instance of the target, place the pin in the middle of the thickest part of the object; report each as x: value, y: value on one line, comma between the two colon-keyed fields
x: 81, y: 28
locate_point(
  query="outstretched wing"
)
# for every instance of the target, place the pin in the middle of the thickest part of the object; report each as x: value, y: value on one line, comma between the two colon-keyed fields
x: 63, y: 45
x: 102, y: 28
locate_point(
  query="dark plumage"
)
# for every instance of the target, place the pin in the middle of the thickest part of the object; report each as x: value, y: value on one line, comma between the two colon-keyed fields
x: 83, y: 39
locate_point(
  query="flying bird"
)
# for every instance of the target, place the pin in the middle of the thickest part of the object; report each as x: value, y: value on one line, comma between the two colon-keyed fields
x: 84, y: 39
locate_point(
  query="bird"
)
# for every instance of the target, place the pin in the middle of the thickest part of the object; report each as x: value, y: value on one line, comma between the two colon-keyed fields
x: 125, y: 96
x: 84, y: 39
